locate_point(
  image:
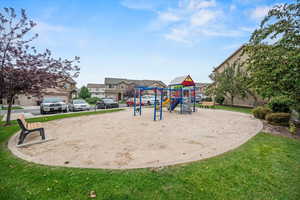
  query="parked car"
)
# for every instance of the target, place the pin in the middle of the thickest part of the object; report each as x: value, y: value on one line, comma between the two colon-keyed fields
x: 148, y: 100
x: 197, y: 99
x: 53, y: 104
x: 130, y: 102
x: 79, y: 105
x: 107, y: 103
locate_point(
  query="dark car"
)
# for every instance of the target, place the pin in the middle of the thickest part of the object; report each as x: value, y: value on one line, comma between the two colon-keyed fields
x: 107, y: 103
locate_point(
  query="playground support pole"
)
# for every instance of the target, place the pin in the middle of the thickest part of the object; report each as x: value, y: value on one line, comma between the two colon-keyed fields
x: 194, y: 93
x: 170, y: 98
x: 161, y: 100
x: 155, y: 98
x: 181, y: 99
x: 134, y: 103
x: 140, y: 101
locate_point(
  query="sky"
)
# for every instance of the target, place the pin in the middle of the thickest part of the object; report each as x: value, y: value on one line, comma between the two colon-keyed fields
x: 144, y: 39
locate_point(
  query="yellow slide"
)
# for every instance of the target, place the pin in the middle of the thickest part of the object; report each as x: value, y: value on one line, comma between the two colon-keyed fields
x: 166, y: 102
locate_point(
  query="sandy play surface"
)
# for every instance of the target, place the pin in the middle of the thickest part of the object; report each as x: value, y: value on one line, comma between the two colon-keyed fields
x: 120, y: 141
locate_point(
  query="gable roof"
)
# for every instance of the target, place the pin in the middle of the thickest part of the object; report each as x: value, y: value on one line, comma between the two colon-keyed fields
x: 95, y: 85
x: 202, y: 84
x: 233, y: 54
x: 183, y: 80
x: 144, y: 83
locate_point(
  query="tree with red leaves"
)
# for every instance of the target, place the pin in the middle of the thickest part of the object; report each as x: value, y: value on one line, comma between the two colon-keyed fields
x: 23, y: 70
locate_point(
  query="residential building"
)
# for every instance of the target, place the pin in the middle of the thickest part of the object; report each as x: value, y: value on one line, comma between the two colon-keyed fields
x: 118, y: 87
x: 96, y: 90
x: 238, y: 57
x: 200, y: 88
x: 65, y: 90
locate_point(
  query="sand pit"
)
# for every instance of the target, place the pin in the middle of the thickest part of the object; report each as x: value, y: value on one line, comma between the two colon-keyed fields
x: 120, y: 141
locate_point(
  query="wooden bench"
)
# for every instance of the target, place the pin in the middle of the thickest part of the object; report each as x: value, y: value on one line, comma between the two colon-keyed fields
x: 207, y: 104
x: 27, y: 128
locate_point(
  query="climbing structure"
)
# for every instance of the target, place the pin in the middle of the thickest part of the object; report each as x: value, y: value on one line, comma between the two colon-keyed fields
x: 181, y: 91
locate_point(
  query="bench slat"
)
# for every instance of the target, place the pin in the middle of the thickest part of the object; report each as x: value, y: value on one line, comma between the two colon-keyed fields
x: 30, y: 126
x: 207, y: 103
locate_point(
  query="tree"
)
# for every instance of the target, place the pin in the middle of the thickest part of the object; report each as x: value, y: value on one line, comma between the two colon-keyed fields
x: 274, y: 53
x: 129, y: 92
x: 244, y: 81
x: 84, y: 93
x: 23, y: 70
x: 229, y: 82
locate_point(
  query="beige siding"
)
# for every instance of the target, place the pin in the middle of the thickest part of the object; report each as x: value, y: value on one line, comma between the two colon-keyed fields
x: 238, y: 101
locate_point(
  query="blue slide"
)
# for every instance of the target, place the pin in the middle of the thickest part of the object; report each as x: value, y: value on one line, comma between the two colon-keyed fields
x: 174, y: 104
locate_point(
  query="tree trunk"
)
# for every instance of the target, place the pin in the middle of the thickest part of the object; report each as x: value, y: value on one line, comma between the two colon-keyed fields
x: 232, y: 100
x: 255, y: 101
x: 10, y: 101
x: 252, y: 94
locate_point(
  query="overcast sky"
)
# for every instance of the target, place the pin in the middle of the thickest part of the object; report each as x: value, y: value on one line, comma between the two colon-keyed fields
x: 144, y: 39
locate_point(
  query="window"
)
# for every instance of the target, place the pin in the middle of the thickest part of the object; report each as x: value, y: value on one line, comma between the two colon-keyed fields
x: 66, y: 86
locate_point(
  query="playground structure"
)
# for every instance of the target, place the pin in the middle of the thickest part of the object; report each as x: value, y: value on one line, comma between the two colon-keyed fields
x: 181, y: 91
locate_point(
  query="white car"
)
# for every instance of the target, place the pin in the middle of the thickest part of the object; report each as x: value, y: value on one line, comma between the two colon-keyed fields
x: 52, y: 105
x: 79, y: 105
x: 149, y: 100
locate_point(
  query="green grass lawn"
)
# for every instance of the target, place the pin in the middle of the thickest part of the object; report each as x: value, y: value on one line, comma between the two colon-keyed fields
x: 232, y: 108
x: 13, y: 108
x: 266, y: 167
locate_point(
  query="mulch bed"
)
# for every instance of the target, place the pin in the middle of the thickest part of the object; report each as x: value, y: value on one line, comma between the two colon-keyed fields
x: 280, y: 130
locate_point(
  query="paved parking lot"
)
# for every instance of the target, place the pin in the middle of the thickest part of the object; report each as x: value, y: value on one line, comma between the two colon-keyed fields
x: 34, y: 111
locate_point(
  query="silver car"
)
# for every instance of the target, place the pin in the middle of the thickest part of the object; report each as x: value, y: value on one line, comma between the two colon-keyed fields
x: 79, y: 105
x: 53, y: 105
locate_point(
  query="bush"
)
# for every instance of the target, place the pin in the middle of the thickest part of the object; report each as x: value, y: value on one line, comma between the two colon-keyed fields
x: 220, y: 100
x: 279, y: 119
x: 92, y: 100
x: 207, y: 99
x: 293, y: 128
x: 280, y: 104
x: 261, y: 112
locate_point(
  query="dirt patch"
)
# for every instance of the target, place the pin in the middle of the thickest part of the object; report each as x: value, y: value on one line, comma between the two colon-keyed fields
x: 280, y: 130
x: 122, y: 141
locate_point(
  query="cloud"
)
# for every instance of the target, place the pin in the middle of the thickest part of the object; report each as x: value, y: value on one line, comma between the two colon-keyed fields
x: 168, y: 17
x: 188, y: 20
x: 259, y: 12
x: 197, y: 19
x: 247, y: 29
x: 179, y: 35
x: 221, y: 33
x: 141, y: 4
x: 45, y: 27
x: 232, y: 7
x: 53, y: 35
x: 203, y: 17
x: 196, y: 4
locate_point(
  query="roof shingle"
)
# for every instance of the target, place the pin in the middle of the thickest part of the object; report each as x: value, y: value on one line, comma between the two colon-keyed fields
x: 144, y: 83
x: 95, y: 85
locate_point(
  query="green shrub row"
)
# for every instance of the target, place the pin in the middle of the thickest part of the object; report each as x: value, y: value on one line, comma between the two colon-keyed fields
x: 274, y: 118
x: 280, y: 104
x: 220, y: 99
x: 92, y: 100
x: 279, y: 119
x: 260, y: 112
